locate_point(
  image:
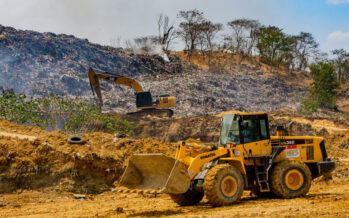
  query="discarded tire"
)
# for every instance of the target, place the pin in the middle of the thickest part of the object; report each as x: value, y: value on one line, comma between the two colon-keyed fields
x: 76, y: 140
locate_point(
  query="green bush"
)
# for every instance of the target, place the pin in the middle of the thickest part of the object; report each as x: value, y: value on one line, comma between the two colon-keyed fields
x: 308, y: 106
x: 323, y: 90
x: 72, y: 115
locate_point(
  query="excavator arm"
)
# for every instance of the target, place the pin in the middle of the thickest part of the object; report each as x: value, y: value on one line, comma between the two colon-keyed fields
x: 122, y: 80
x: 144, y: 100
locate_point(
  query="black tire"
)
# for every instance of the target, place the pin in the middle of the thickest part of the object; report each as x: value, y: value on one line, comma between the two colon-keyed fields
x: 76, y: 140
x: 188, y: 198
x: 291, y: 179
x: 214, y: 185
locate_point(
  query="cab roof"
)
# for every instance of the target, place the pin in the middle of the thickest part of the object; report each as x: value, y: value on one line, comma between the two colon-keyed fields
x: 240, y: 113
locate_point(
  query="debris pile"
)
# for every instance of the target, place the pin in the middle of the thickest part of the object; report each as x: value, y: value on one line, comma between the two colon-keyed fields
x: 43, y: 63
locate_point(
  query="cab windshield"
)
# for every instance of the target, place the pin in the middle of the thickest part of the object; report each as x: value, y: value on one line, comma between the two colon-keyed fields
x: 230, y: 130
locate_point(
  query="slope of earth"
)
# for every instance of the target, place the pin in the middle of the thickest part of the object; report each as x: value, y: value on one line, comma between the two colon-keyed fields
x: 34, y: 159
x: 43, y: 63
x: 31, y: 158
x: 40, y: 172
x: 218, y: 62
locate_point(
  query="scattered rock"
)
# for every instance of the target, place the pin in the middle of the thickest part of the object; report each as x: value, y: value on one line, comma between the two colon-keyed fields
x: 79, y: 196
x: 119, y: 210
x: 344, y: 145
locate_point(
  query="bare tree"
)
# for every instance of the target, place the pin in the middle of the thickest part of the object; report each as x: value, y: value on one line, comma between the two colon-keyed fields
x: 244, y: 35
x: 208, y: 34
x: 238, y: 35
x: 116, y: 42
x: 243, y: 38
x: 190, y: 28
x: 129, y: 44
x: 305, y: 47
x: 166, y: 31
x: 341, y: 63
x: 209, y: 31
x: 252, y: 27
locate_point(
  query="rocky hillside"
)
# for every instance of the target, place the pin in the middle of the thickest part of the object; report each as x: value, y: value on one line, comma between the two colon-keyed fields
x: 42, y: 63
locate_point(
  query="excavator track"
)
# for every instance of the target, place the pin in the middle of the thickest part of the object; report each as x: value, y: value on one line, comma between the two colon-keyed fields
x: 153, y: 112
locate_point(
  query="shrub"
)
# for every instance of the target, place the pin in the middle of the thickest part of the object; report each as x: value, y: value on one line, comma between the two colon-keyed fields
x: 323, y: 90
x: 72, y: 115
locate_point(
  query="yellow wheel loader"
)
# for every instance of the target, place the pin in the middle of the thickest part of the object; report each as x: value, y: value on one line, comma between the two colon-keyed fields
x: 246, y: 158
x: 144, y: 101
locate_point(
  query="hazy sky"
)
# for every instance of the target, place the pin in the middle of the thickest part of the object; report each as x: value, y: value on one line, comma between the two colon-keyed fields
x: 103, y: 21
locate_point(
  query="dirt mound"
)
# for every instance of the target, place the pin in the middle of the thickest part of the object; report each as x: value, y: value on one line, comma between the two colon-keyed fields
x: 50, y: 161
x: 31, y: 158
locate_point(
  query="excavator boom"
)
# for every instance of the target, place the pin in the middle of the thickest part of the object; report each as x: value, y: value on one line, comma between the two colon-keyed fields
x: 122, y: 80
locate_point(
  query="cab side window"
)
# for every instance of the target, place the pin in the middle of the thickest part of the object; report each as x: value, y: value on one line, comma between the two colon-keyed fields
x: 263, y: 127
x: 251, y: 134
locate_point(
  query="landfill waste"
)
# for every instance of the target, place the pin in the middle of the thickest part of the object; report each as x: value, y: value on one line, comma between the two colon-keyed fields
x: 38, y: 64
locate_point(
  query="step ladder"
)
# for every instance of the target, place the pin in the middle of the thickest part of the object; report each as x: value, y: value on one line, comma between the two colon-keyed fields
x: 262, y: 172
x: 262, y: 178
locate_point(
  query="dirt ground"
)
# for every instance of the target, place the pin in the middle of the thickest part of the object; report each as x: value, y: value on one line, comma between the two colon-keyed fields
x: 42, y: 175
x: 326, y: 200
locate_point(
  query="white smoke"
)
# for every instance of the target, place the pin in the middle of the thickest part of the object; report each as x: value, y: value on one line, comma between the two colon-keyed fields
x: 148, y: 46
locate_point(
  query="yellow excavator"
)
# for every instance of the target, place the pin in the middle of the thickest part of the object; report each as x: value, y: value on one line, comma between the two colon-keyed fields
x: 144, y: 101
x: 246, y: 158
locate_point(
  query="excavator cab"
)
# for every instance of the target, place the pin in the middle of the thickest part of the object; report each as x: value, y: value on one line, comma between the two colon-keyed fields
x: 144, y: 99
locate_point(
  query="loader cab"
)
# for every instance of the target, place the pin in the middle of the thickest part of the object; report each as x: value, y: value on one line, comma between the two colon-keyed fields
x: 244, y: 128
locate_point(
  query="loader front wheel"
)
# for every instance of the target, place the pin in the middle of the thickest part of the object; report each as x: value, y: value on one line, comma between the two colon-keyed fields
x: 290, y: 179
x: 223, y: 185
x: 188, y: 198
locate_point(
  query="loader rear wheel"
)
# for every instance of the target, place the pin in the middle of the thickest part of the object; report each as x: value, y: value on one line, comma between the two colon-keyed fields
x: 223, y: 185
x: 291, y: 179
x: 188, y: 198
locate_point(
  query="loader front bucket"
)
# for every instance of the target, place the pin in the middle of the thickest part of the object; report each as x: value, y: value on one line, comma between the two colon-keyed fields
x: 156, y: 172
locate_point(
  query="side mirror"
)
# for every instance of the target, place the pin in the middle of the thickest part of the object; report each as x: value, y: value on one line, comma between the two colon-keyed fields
x: 244, y: 125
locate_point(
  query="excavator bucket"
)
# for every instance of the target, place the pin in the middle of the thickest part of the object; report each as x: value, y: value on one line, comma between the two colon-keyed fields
x: 156, y: 173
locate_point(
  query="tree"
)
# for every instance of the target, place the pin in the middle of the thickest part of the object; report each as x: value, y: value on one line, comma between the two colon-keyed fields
x: 238, y: 38
x: 341, y: 64
x: 305, y: 46
x: 190, y: 28
x: 325, y: 86
x: 209, y: 31
x: 208, y: 34
x: 274, y: 46
x: 243, y: 37
x: 252, y: 27
x: 166, y: 31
